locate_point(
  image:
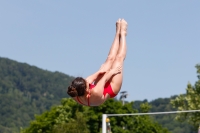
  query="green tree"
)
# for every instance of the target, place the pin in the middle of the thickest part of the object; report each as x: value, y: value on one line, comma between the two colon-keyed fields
x: 123, y: 124
x: 62, y: 117
x: 78, y: 125
x: 189, y: 101
x: 70, y: 117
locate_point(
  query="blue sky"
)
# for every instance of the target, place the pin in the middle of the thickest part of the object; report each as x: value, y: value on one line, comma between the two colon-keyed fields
x: 74, y: 37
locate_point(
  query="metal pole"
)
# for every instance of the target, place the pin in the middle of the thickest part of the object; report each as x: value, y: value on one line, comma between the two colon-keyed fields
x: 154, y: 113
x: 104, y: 116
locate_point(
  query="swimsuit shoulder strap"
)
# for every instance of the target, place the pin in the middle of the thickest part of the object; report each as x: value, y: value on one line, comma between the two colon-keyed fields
x: 79, y: 100
x: 88, y: 97
x: 88, y: 101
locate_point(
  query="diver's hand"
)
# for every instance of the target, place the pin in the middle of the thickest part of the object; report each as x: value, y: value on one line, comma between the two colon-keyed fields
x: 116, y: 70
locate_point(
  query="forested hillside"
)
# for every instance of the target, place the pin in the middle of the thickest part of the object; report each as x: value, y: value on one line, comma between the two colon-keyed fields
x: 25, y: 91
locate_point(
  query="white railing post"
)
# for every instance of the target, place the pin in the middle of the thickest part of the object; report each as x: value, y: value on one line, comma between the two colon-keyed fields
x: 104, y: 116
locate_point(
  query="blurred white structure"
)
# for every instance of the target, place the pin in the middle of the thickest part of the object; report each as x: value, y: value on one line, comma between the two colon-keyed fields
x: 104, y: 116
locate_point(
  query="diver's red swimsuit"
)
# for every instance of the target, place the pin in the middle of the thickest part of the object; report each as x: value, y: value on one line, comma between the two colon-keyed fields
x: 107, y: 89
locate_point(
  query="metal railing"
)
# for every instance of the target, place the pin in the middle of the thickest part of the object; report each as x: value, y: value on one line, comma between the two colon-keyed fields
x: 104, y: 116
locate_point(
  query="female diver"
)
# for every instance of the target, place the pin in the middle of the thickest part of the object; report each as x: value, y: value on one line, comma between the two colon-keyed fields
x: 107, y: 81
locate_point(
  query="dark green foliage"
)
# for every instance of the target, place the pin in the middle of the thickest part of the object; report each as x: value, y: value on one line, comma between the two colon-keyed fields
x: 63, y: 119
x: 167, y: 120
x: 110, y: 107
x: 60, y: 118
x: 25, y: 91
x: 189, y: 101
x: 77, y: 125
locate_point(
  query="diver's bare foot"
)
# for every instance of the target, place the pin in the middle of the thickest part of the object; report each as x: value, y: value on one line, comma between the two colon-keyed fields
x: 124, y: 25
x: 118, y: 25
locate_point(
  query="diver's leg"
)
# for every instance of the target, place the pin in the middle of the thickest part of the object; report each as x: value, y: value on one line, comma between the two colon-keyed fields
x: 114, y: 48
x: 116, y: 81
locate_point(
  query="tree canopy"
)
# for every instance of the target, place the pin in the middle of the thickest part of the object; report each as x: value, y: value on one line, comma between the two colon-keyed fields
x: 27, y: 91
x: 190, y: 101
x: 71, y: 117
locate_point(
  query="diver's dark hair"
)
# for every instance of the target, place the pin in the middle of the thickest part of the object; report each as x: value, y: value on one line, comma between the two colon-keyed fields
x: 77, y: 88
